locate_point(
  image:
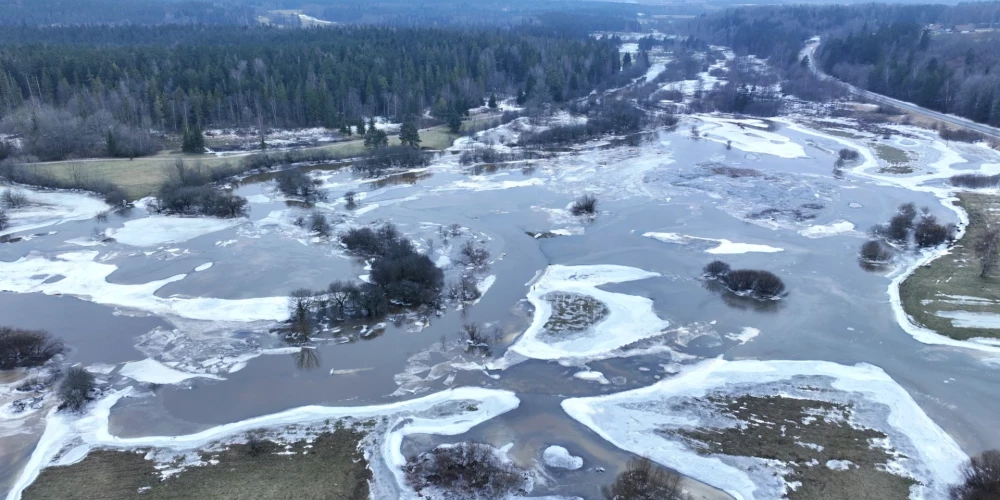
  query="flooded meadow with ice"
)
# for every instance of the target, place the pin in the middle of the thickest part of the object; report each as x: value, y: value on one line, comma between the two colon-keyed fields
x: 608, y: 341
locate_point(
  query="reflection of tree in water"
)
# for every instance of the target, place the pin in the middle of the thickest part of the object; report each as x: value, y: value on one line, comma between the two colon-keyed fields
x: 307, y: 359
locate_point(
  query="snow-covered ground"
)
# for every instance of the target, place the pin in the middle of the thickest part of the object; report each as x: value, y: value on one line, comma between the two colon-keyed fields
x: 640, y: 420
x: 69, y: 438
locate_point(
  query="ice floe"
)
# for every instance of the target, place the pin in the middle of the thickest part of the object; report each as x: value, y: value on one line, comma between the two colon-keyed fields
x: 153, y: 372
x: 640, y: 420
x: 628, y: 318
x: 831, y: 229
x: 160, y: 229
x: 85, y: 278
x: 49, y: 208
x: 728, y: 131
x: 560, y: 458
x: 68, y: 438
x: 204, y: 267
x: 724, y: 246
x: 591, y: 376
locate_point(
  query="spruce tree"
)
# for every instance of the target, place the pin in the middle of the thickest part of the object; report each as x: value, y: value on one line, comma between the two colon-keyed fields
x: 454, y: 121
x: 408, y: 134
x: 110, y: 145
x: 493, y: 102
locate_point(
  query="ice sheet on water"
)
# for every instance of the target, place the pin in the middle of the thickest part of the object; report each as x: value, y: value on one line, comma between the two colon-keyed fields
x: 723, y: 247
x: 161, y: 229
x: 50, y: 208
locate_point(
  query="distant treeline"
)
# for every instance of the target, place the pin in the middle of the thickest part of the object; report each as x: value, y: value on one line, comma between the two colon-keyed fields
x: 166, y: 77
x: 63, y: 12
x: 884, y: 48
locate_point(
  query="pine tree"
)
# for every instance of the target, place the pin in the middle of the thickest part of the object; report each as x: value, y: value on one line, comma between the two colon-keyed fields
x: 193, y: 141
x: 627, y: 61
x: 454, y: 122
x: 376, y: 138
x: 493, y: 101
x: 361, y: 126
x: 408, y: 134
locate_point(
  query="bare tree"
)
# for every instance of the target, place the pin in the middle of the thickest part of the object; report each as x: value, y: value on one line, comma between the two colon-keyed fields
x: 980, y: 478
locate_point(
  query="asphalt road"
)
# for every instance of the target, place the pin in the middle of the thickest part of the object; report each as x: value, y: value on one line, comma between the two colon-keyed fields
x: 810, y: 50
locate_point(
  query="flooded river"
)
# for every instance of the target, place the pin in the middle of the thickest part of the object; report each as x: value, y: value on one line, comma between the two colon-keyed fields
x: 137, y: 308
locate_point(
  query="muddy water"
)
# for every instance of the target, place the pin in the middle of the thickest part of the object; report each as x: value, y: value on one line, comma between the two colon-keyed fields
x: 835, y: 311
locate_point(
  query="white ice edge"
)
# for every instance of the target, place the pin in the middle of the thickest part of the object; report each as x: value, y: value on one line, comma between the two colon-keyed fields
x: 914, y: 183
x: 154, y: 372
x: 85, y: 278
x: 159, y: 229
x: 93, y: 431
x: 629, y: 319
x: 936, y: 466
x: 50, y: 208
x: 725, y: 247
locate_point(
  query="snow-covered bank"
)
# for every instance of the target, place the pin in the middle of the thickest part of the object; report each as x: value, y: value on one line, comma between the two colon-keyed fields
x: 69, y: 438
x: 628, y: 318
x: 640, y: 420
x: 934, y: 182
x: 50, y: 208
x: 724, y: 246
x: 85, y: 278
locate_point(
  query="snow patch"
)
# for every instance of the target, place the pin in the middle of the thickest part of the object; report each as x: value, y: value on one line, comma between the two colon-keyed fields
x: 831, y: 229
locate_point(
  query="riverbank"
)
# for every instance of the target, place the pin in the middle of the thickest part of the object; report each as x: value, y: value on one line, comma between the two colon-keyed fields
x: 331, y: 466
x: 947, y: 295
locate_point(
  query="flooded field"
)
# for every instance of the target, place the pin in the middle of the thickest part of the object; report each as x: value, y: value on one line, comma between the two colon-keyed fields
x: 598, y: 319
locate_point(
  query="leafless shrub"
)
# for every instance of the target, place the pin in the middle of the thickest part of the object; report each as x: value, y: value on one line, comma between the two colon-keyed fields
x: 349, y: 198
x: 644, y: 480
x: 75, y: 388
x: 466, y: 470
x: 475, y: 255
x: 24, y: 348
x: 319, y: 225
x: 256, y: 444
x: 12, y: 199
x: 929, y: 233
x: 584, y: 205
x: 961, y: 135
x: 465, y: 289
x: 716, y: 269
x: 102, y: 217
x: 980, y: 478
x: 301, y: 319
x: 4, y: 219
x: 848, y: 154
x: 875, y: 251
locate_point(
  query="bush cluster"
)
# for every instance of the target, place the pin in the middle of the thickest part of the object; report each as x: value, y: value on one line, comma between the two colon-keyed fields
x: 926, y: 232
x: 188, y: 192
x: 848, y: 154
x: 876, y: 252
x: 24, y: 348
x: 975, y: 181
x: 759, y: 284
x: 13, y: 199
x: 385, y: 158
x: 961, y: 135
x: 466, y: 470
x: 296, y: 183
x: 406, y: 276
x: 612, y: 117
x: 980, y: 478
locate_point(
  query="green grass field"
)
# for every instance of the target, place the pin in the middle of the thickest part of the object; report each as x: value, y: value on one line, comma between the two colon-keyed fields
x: 927, y: 290
x: 142, y: 176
